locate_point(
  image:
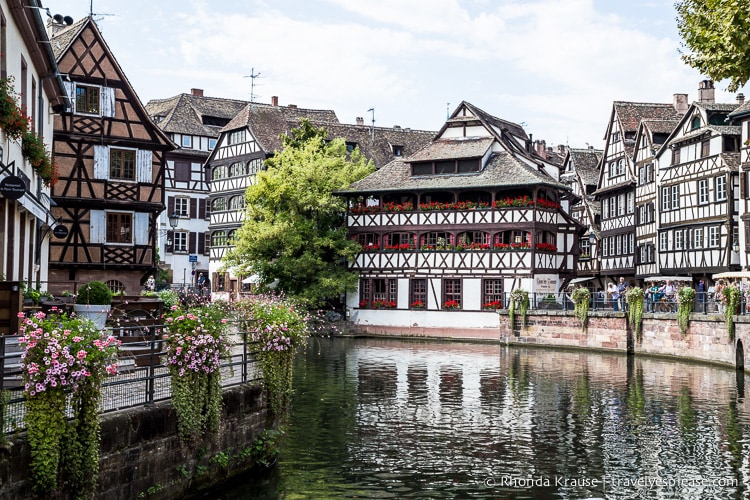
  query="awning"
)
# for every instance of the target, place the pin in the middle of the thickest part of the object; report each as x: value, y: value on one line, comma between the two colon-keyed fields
x: 253, y: 279
x: 581, y: 280
x: 667, y: 278
x: 732, y: 275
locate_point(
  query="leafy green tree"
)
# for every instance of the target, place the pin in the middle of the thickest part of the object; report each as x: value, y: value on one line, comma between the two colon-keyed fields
x: 717, y: 35
x: 294, y: 234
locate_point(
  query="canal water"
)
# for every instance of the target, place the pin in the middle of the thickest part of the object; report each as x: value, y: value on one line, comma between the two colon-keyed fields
x: 382, y: 418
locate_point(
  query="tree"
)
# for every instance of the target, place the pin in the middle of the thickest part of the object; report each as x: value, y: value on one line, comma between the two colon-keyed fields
x: 294, y: 232
x: 717, y: 34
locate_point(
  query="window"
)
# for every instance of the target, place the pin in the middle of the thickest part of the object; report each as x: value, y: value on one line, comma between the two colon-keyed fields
x: 87, y: 99
x: 705, y: 148
x: 187, y: 141
x: 115, y: 286
x: 219, y: 172
x: 698, y: 237
x: 398, y: 150
x: 615, y: 136
x: 612, y: 245
x: 182, y: 206
x: 119, y: 227
x: 418, y: 293
x: 452, y: 292
x: 663, y: 243
x: 122, y: 164
x: 621, y: 167
x: 443, y: 167
x: 237, y: 203
x: 695, y: 123
x: 675, y: 197
x: 436, y: 240
x: 650, y: 172
x: 630, y: 201
x: 492, y: 294
x: 237, y: 169
x: 206, y: 243
x: 666, y: 198
x: 236, y: 137
x: 378, y: 293
x: 713, y: 237
x: 400, y: 241
x: 721, y: 188
x: 631, y: 243
x: 678, y: 239
x: 180, y: 242
x: 211, y: 143
x: 618, y: 241
x: 218, y: 239
x: 584, y: 245
x: 218, y: 205
x: 641, y: 175
x: 676, y: 155
x: 254, y: 166
x: 473, y: 238
x: 350, y: 146
x: 703, y: 191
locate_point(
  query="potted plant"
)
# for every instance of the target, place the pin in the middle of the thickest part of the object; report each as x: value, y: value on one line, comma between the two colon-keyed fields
x: 94, y: 300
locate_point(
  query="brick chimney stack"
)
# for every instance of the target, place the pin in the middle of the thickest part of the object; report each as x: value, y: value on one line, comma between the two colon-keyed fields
x: 706, y: 92
x: 740, y: 98
x: 196, y: 92
x: 274, y: 100
x: 680, y: 103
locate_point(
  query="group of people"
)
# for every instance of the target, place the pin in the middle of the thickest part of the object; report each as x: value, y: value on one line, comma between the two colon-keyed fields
x: 665, y: 292
x: 616, y: 294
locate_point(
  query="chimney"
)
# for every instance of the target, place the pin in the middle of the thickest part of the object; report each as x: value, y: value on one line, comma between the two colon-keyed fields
x: 541, y: 148
x: 680, y: 103
x: 292, y: 106
x: 397, y: 127
x: 196, y: 92
x: 706, y: 92
x: 360, y: 120
x: 274, y: 100
x: 740, y: 98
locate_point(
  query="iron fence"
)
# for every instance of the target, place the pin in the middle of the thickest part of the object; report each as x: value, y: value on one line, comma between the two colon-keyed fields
x: 142, y: 378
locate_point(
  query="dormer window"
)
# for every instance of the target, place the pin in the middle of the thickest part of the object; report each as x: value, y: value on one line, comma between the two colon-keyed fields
x: 695, y: 123
x: 350, y: 146
x: 446, y: 167
x: 398, y: 150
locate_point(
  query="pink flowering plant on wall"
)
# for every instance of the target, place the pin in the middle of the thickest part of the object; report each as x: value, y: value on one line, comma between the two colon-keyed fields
x: 196, y: 340
x: 279, y: 327
x: 64, y: 362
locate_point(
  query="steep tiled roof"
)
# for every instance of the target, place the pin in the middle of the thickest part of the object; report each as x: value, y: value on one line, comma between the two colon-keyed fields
x: 191, y: 114
x: 661, y: 126
x: 502, y: 169
x: 499, y: 123
x: 718, y: 106
x: 381, y: 151
x: 732, y: 160
x: 586, y: 163
x: 451, y: 149
x: 630, y: 114
x: 743, y: 109
x: 61, y: 40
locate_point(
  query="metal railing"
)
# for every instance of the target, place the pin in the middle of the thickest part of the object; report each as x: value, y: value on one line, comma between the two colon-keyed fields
x: 142, y: 378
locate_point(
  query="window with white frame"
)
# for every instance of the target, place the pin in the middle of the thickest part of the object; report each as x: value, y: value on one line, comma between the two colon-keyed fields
x: 703, y: 191
x: 713, y: 236
x: 119, y: 227
x: 663, y: 241
x: 631, y: 246
x: 180, y: 242
x: 187, y: 141
x: 621, y: 205
x: 87, y: 99
x: 698, y: 237
x: 675, y: 197
x: 630, y: 202
x: 721, y: 188
x: 182, y: 206
x: 211, y: 143
x: 619, y: 245
x: 612, y: 245
x: 666, y: 199
x: 621, y: 166
x: 122, y: 164
x: 678, y: 239
x: 236, y: 137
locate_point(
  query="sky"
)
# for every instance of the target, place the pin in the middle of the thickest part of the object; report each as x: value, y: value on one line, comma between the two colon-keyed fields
x: 553, y: 66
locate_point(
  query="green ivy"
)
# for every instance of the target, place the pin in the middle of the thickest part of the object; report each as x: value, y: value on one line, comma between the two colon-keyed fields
x: 196, y: 398
x: 45, y: 427
x: 265, y: 449
x: 732, y: 300
x: 518, y: 299
x: 686, y: 299
x: 581, y: 299
x: 634, y: 298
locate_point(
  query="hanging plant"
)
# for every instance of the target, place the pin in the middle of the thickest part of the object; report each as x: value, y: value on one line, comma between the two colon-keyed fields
x: 518, y: 299
x: 634, y: 298
x: 62, y: 354
x: 35, y: 151
x: 581, y: 298
x: 686, y: 300
x: 732, y: 300
x: 12, y: 119
x: 195, y: 343
x: 280, y: 328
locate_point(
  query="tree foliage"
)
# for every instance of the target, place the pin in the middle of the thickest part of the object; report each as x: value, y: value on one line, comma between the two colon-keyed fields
x: 294, y: 232
x: 717, y: 35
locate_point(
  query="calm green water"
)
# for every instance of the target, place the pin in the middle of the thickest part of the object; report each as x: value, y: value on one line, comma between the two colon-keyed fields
x: 379, y: 418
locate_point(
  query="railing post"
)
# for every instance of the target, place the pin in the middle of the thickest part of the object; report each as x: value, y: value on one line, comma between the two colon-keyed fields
x: 150, y: 387
x: 245, y: 359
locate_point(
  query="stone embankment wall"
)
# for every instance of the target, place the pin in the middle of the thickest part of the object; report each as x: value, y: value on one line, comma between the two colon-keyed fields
x: 706, y: 339
x: 142, y: 457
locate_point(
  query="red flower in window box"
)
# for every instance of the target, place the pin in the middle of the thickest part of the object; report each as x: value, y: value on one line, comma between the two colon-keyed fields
x: 495, y: 304
x: 546, y: 247
x: 417, y: 304
x: 451, y: 305
x: 383, y: 304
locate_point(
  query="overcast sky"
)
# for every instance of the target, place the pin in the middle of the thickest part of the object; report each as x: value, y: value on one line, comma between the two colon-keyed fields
x: 554, y: 66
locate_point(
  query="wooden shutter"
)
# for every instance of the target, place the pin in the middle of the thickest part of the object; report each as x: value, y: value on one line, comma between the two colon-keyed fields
x: 101, y: 162
x: 140, y: 228
x: 202, y: 243
x: 144, y: 163
x: 202, y: 208
x: 107, y: 98
x: 97, y: 226
x: 191, y: 242
x: 193, y: 208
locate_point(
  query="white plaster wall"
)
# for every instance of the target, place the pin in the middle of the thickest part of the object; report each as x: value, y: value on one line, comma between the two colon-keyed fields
x: 472, y: 299
x: 435, y: 319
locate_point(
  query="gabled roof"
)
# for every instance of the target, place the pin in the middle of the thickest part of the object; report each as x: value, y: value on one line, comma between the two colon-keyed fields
x: 451, y: 149
x: 62, y: 38
x: 381, y: 150
x: 586, y: 164
x: 630, y: 114
x: 185, y: 113
x: 741, y: 111
x: 660, y: 126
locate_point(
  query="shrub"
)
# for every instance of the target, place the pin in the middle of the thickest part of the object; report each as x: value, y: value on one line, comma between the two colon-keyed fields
x: 94, y: 293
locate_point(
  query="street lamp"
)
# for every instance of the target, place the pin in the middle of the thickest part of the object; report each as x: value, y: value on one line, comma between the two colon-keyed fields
x: 735, y: 264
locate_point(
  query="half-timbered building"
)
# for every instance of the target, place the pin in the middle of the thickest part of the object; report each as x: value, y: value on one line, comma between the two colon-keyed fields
x: 617, y: 182
x: 448, y: 230
x: 741, y: 118
x: 254, y: 135
x: 193, y: 122
x: 580, y: 173
x: 30, y: 81
x: 111, y: 161
x: 648, y: 140
x: 698, y: 191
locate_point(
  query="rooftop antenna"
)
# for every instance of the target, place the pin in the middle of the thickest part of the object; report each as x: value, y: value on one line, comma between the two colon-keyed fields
x: 447, y: 110
x: 253, y: 75
x: 372, y: 110
x: 100, y: 15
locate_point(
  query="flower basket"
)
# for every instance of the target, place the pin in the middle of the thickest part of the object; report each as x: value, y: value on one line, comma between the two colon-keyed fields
x: 417, y: 304
x: 12, y: 119
x: 452, y: 305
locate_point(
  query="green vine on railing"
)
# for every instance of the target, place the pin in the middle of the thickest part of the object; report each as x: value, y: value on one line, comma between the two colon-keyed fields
x: 732, y: 299
x: 634, y: 298
x: 519, y: 299
x: 686, y: 300
x: 581, y: 299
